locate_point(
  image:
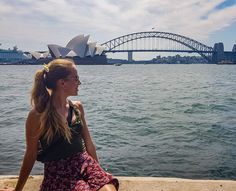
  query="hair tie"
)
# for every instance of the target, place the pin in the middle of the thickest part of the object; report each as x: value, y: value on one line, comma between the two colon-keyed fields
x: 46, y: 67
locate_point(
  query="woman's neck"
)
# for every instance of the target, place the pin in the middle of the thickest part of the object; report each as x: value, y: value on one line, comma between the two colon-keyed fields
x: 59, y: 101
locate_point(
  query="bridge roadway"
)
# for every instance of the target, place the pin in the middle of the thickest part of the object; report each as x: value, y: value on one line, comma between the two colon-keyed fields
x: 152, y: 50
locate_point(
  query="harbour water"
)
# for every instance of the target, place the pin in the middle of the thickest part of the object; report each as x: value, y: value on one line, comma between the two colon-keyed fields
x: 146, y: 120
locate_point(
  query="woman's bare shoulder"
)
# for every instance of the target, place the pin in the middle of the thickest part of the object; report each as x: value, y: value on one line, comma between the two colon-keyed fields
x: 34, y: 113
x: 33, y: 116
x: 32, y: 126
x: 78, y: 105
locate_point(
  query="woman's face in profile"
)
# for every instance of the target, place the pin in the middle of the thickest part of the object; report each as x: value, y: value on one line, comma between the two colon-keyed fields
x: 72, y: 83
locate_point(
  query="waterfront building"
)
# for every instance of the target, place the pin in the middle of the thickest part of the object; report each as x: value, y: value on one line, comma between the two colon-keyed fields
x: 80, y: 50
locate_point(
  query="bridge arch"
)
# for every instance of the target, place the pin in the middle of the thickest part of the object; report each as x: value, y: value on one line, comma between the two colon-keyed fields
x: 195, y: 46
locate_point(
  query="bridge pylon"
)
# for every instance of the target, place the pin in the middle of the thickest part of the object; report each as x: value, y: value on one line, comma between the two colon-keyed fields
x: 130, y: 56
x: 218, y: 52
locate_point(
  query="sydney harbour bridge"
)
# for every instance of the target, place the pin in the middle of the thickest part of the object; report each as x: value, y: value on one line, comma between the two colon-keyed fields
x: 155, y: 41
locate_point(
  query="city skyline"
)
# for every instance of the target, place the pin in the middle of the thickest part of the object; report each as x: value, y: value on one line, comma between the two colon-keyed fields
x: 31, y: 25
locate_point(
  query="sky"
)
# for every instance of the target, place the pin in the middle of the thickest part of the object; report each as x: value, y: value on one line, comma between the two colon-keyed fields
x: 32, y: 24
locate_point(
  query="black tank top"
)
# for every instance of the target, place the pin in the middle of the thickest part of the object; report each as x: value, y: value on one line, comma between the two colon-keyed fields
x: 60, y: 148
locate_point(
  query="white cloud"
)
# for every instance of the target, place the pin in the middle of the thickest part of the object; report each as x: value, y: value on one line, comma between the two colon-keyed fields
x: 57, y: 21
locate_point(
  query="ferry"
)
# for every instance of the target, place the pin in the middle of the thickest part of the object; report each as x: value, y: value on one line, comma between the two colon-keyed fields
x: 12, y: 56
x: 226, y: 62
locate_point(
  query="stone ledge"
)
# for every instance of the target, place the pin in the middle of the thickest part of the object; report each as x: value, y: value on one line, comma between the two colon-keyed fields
x: 141, y: 184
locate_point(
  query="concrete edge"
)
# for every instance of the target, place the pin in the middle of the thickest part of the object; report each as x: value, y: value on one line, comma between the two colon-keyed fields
x: 128, y: 183
x: 132, y: 178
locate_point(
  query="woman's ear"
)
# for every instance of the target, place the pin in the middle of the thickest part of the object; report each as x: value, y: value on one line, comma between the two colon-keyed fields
x: 60, y: 83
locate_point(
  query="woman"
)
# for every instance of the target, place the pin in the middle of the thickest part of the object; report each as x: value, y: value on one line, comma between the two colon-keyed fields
x: 58, y: 136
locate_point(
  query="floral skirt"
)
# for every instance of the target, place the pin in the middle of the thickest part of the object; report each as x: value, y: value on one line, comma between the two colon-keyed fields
x: 79, y: 172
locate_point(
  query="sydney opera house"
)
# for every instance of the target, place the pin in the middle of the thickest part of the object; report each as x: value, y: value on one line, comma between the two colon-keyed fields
x: 80, y: 50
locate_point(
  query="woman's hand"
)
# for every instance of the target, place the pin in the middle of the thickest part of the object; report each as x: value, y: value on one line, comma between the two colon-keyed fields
x: 7, y: 188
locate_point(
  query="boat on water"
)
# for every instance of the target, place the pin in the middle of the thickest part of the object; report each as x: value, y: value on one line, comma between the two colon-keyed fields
x: 12, y: 56
x: 226, y: 62
x: 117, y: 64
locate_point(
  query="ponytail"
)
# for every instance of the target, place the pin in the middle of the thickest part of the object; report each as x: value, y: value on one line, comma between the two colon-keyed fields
x: 40, y: 95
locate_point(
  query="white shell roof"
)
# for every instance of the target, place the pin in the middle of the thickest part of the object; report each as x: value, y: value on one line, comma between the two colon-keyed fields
x: 91, y: 49
x: 99, y: 50
x: 64, y: 51
x: 78, y: 46
x: 45, y: 54
x: 72, y: 43
x: 35, y: 55
x: 55, y: 50
x: 38, y: 55
x: 71, y: 54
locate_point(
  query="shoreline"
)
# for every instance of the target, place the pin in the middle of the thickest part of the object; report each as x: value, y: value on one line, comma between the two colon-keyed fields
x: 140, y: 183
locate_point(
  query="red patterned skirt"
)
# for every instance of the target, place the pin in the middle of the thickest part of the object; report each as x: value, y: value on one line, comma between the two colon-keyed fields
x: 79, y: 172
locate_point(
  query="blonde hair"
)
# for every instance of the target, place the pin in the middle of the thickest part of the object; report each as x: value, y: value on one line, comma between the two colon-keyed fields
x: 51, y: 123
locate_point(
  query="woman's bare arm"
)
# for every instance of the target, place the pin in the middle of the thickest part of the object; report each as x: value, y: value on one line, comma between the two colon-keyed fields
x: 31, y: 127
x: 90, y: 147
